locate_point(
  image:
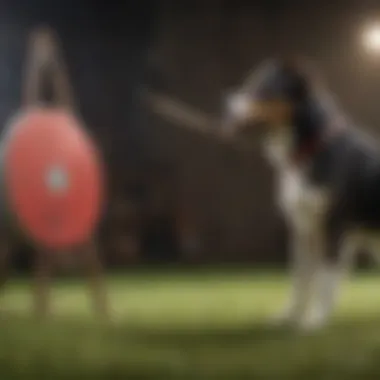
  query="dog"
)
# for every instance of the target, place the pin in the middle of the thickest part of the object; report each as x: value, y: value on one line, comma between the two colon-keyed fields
x: 328, y: 179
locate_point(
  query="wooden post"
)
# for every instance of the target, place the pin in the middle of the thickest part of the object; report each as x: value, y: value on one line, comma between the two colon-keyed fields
x: 5, y: 245
x: 44, y: 57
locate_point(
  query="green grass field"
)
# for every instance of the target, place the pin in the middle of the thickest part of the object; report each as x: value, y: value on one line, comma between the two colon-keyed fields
x: 205, y: 325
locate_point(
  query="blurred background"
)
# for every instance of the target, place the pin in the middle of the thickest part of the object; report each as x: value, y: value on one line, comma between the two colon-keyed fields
x: 178, y: 197
x: 175, y: 194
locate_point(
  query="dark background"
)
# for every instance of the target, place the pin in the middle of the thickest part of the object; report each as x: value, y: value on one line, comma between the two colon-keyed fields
x: 165, y: 180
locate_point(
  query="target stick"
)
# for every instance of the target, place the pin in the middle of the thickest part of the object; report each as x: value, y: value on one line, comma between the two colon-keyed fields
x: 182, y: 115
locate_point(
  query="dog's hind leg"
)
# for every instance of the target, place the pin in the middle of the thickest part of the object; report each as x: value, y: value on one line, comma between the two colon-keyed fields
x: 373, y: 245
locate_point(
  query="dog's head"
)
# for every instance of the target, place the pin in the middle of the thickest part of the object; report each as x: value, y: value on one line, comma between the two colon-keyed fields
x: 282, y: 101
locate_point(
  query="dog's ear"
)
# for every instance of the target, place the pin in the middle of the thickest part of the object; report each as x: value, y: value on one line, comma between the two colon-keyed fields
x: 303, y: 71
x: 302, y: 75
x: 309, y: 92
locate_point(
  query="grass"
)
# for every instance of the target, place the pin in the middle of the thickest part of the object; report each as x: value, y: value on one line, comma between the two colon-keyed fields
x: 187, y: 326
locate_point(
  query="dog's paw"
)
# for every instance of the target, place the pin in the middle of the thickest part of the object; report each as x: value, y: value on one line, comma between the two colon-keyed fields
x: 312, y: 322
x: 282, y: 319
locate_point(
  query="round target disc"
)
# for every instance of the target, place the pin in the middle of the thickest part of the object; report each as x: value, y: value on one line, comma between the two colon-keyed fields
x: 53, y: 178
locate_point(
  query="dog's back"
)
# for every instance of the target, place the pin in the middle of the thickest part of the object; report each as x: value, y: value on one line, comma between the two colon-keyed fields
x: 349, y: 168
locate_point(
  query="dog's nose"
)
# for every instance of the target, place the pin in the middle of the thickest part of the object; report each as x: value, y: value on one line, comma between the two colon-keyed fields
x: 243, y: 117
x: 236, y: 112
x: 239, y: 106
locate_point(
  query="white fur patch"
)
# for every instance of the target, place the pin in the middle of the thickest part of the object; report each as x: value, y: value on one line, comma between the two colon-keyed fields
x: 302, y: 204
x: 278, y: 145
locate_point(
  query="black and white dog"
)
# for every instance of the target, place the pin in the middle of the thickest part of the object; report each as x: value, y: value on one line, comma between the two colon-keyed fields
x: 328, y: 175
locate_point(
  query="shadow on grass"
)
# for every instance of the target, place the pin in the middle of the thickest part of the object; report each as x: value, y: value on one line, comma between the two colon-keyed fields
x: 73, y: 349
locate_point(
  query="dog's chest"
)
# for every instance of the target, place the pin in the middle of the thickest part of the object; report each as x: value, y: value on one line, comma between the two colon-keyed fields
x: 304, y: 205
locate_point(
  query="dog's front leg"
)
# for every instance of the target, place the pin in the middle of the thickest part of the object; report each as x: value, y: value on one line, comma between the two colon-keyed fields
x: 324, y: 280
x: 304, y: 264
x: 339, y: 259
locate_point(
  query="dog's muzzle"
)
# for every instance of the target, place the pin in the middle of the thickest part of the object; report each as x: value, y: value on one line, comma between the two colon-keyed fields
x: 242, y: 117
